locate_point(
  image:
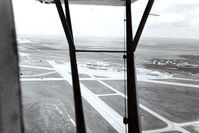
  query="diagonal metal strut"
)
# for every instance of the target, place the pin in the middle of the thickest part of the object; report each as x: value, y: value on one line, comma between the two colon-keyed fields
x: 132, y: 101
x: 68, y: 18
x: 66, y: 23
x: 142, y: 24
x: 134, y: 124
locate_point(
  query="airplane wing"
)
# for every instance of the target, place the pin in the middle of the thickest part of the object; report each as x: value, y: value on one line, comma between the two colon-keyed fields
x: 91, y: 2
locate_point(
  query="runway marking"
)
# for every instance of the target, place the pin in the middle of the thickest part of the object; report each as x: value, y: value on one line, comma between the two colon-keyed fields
x: 186, y: 79
x: 41, y: 79
x: 187, y: 123
x: 105, y: 95
x: 110, y: 115
x: 170, y: 124
x: 110, y: 87
x: 61, y: 112
x: 38, y: 50
x: 37, y: 67
x: 146, y: 80
x: 29, y: 58
x: 36, y: 75
x: 171, y: 83
x: 23, y: 54
x: 106, y: 111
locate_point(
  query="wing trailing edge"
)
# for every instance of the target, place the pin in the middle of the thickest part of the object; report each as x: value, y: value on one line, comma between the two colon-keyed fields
x: 91, y: 2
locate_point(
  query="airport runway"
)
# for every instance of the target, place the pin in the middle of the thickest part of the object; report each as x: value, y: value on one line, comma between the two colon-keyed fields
x: 168, y: 104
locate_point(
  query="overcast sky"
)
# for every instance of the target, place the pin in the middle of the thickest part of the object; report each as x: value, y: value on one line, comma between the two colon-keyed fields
x: 178, y: 18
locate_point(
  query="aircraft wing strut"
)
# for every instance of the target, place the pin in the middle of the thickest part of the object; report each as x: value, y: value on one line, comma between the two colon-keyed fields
x: 133, y: 118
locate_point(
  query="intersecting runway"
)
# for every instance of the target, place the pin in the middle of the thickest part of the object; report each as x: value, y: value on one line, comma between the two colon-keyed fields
x: 168, y: 104
x: 95, y: 98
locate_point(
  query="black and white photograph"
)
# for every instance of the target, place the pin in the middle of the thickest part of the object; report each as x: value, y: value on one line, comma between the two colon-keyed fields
x: 99, y: 66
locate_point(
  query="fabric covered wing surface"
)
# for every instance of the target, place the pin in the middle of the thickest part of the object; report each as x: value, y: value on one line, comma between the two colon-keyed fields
x: 91, y: 2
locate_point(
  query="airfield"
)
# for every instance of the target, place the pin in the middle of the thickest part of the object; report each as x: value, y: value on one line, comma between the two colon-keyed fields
x: 168, y: 98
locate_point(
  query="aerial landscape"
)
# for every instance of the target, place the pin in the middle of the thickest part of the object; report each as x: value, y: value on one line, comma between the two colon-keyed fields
x: 167, y: 84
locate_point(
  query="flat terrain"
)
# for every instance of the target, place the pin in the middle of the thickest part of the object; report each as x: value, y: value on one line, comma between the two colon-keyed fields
x: 168, y: 88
